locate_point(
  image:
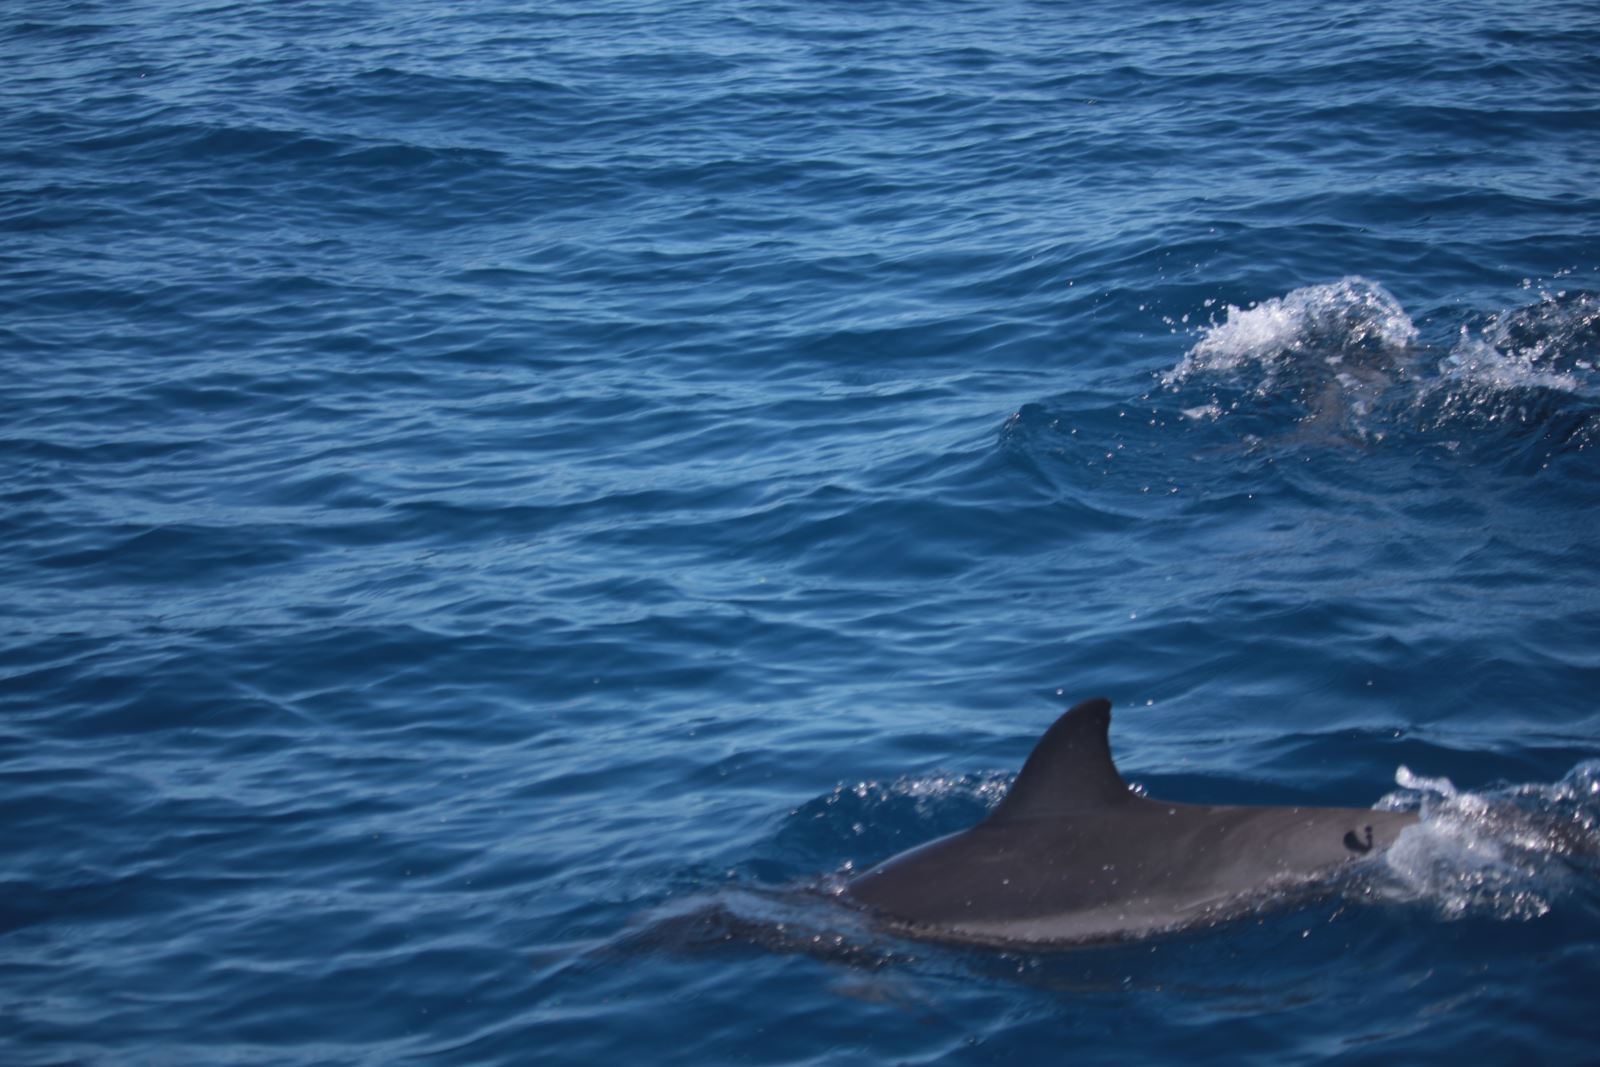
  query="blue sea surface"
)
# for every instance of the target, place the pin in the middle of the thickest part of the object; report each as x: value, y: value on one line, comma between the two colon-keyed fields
x: 505, y: 507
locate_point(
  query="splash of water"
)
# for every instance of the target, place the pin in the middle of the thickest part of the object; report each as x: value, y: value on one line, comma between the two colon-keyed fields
x: 1553, y: 344
x: 1507, y: 854
x: 1340, y: 326
x: 1343, y: 360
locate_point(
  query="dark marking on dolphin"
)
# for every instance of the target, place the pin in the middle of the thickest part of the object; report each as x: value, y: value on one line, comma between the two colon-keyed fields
x: 1356, y: 844
x: 1073, y: 856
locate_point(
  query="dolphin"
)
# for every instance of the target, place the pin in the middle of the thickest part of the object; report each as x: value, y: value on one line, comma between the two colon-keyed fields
x: 1072, y: 856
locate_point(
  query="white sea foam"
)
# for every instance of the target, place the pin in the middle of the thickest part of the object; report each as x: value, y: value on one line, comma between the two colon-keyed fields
x: 1332, y: 323
x: 1344, y: 360
x: 1553, y: 344
x: 1507, y: 853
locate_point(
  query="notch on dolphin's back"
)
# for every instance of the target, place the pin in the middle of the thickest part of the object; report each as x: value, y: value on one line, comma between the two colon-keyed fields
x: 1072, y: 856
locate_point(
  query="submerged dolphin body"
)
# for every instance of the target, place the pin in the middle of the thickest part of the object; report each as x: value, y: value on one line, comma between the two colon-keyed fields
x: 1073, y: 856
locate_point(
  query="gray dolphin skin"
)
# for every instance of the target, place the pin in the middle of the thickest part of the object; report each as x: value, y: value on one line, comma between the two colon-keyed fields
x: 1072, y: 856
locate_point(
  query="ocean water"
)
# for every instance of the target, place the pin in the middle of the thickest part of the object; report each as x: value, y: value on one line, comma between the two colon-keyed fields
x: 506, y: 506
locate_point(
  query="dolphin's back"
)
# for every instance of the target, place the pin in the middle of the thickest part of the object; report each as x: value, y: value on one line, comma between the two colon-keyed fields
x: 1071, y: 855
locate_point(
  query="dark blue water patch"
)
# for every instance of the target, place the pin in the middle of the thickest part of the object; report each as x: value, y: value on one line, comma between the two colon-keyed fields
x: 207, y: 553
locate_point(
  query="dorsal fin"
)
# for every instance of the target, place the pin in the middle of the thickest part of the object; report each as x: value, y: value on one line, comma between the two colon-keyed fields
x: 1070, y: 769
